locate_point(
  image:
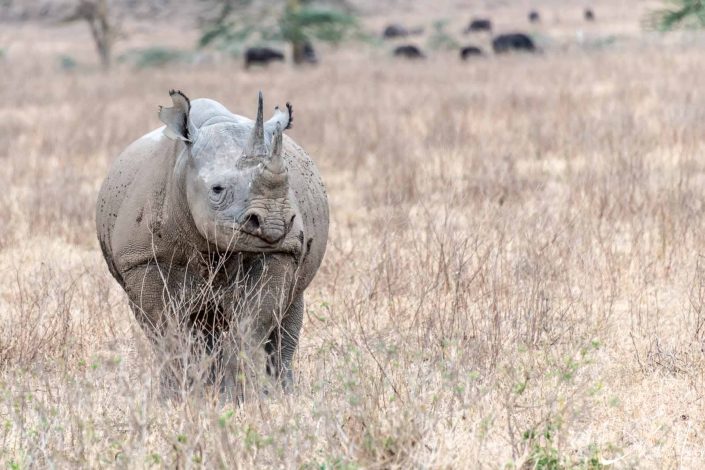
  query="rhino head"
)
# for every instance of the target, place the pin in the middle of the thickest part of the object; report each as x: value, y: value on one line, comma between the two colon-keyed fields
x: 236, y: 188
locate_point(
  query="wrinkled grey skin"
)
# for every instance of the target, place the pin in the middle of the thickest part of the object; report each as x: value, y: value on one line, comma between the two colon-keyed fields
x: 215, y: 202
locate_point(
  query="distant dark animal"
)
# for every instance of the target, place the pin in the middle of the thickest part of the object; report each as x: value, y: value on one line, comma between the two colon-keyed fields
x: 409, y: 51
x: 589, y: 15
x: 310, y: 54
x: 534, y: 16
x: 479, y: 24
x: 395, y: 31
x: 512, y: 42
x: 470, y: 51
x: 262, y: 56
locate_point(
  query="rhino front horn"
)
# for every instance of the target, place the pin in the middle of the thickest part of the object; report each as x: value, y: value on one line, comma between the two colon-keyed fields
x: 256, y: 147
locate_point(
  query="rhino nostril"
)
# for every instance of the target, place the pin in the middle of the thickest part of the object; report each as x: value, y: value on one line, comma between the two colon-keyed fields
x: 252, y: 222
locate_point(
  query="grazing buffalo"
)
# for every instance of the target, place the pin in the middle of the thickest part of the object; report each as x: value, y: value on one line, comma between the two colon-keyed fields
x: 534, y: 16
x: 262, y: 56
x: 409, y: 51
x: 468, y: 52
x: 589, y: 15
x: 478, y: 25
x: 513, y: 42
x: 395, y: 30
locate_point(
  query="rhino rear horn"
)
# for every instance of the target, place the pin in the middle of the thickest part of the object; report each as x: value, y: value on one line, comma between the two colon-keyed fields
x: 276, y: 160
x: 176, y: 117
x: 256, y: 147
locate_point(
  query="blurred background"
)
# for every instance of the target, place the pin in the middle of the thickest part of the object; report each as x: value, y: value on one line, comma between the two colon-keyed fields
x: 514, y: 276
x: 152, y: 33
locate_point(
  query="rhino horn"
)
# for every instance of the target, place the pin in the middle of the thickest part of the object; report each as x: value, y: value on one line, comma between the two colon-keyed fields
x: 275, y: 164
x: 257, y: 147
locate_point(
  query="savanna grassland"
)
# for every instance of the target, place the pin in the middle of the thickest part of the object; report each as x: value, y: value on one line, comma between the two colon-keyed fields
x: 514, y: 278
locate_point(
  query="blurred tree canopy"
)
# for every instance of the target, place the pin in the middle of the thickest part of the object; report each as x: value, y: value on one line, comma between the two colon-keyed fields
x: 296, y: 22
x: 102, y: 23
x: 678, y: 14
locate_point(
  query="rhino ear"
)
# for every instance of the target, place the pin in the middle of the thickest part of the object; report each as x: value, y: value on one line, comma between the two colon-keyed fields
x: 285, y: 119
x: 176, y: 117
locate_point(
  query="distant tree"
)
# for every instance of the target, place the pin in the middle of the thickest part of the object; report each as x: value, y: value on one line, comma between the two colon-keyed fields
x: 296, y: 22
x: 102, y: 25
x: 678, y: 14
x: 440, y: 39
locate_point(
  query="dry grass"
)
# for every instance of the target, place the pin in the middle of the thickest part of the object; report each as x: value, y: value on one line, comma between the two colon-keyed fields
x: 514, y: 274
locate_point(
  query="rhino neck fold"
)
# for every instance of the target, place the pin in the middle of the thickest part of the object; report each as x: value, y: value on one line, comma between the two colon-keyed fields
x: 177, y: 208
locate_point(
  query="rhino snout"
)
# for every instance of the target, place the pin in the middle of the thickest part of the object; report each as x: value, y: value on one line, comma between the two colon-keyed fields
x: 251, y: 221
x: 269, y: 227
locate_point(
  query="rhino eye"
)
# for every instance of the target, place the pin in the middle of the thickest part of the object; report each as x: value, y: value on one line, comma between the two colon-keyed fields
x: 218, y: 196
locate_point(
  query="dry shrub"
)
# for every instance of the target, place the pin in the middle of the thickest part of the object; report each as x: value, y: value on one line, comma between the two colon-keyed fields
x: 49, y: 316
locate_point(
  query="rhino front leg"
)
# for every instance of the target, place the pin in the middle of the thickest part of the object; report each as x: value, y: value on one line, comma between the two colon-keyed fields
x: 159, y: 296
x: 283, y: 342
x: 149, y: 297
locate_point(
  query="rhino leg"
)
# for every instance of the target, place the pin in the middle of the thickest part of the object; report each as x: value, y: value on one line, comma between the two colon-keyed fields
x: 277, y: 312
x: 156, y: 294
x: 151, y: 288
x: 283, y: 342
x: 258, y: 302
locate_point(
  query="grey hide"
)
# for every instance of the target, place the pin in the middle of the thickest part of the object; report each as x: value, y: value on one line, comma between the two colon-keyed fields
x: 220, y: 219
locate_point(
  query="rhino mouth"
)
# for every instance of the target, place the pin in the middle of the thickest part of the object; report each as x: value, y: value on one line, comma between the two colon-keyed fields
x: 244, y: 241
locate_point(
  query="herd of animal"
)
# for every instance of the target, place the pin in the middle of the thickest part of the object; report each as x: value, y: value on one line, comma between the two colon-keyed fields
x: 501, y: 43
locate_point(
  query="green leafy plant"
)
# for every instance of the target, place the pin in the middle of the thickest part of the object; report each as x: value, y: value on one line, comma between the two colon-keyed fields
x: 296, y: 22
x: 544, y: 455
x: 677, y: 14
x: 309, y: 22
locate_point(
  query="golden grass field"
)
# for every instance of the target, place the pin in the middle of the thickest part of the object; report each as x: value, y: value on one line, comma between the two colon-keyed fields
x: 514, y: 277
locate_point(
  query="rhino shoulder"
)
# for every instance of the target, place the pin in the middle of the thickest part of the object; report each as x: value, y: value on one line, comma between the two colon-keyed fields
x: 132, y: 198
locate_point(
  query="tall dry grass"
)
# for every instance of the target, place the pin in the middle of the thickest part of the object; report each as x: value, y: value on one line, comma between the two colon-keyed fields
x: 514, y: 273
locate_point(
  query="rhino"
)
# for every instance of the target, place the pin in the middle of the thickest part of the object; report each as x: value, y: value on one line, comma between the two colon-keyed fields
x: 225, y: 214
